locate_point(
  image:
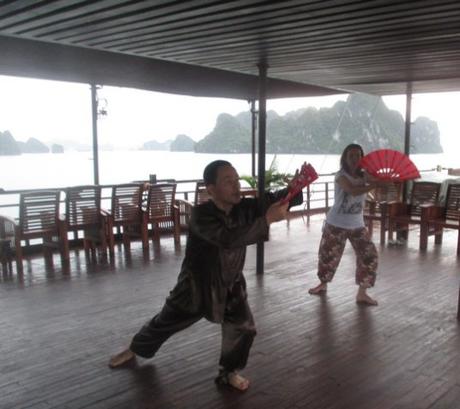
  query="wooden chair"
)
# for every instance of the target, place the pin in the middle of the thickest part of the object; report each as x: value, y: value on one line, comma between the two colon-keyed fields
x: 162, y: 212
x: 126, y: 213
x: 83, y: 213
x: 201, y: 193
x: 201, y: 196
x: 376, y: 207
x: 402, y: 215
x: 437, y: 218
x: 7, y: 227
x: 185, y: 206
x: 38, y: 219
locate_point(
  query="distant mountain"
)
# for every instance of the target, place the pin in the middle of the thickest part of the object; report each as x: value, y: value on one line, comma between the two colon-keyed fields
x: 156, y: 146
x: 364, y: 119
x: 425, y: 136
x: 230, y: 135
x: 79, y: 145
x: 33, y: 145
x: 8, y: 145
x: 56, y: 148
x: 182, y: 143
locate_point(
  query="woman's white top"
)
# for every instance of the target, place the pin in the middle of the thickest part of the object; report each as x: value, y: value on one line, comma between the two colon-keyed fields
x: 347, y: 211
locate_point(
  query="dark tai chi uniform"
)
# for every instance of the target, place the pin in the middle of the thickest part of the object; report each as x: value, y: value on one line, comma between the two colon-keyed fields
x: 211, y: 282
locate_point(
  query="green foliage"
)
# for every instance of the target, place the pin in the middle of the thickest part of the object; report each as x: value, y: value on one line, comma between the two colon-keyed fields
x: 273, y: 178
x: 250, y: 180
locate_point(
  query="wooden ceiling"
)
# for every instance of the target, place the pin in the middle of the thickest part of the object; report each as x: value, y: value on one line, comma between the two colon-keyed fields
x: 204, y: 47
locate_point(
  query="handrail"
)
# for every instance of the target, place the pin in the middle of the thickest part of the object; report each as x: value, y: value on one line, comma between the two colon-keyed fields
x: 316, y: 198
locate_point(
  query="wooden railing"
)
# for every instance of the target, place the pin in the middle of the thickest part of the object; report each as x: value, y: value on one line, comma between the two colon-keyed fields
x: 317, y: 197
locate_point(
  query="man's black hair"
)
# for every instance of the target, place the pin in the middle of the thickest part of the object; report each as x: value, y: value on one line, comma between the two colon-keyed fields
x: 210, y: 171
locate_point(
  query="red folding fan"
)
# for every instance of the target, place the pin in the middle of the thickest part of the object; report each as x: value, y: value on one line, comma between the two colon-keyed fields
x: 306, y: 176
x: 389, y: 165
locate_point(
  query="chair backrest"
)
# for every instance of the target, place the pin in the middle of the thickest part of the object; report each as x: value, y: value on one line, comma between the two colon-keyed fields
x: 201, y: 193
x: 83, y: 206
x: 423, y: 193
x: 452, y: 205
x: 161, y: 200
x: 126, y: 202
x: 7, y: 226
x: 39, y: 212
x: 390, y: 192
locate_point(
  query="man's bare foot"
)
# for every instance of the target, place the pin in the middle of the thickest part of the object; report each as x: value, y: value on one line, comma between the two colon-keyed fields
x: 321, y: 288
x: 237, y: 381
x: 121, y: 358
x: 365, y: 299
x: 232, y: 379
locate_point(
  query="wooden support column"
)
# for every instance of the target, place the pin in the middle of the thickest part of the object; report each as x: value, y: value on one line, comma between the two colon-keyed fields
x: 458, y: 306
x: 94, y: 88
x: 407, y: 129
x: 253, y: 137
x: 261, y: 156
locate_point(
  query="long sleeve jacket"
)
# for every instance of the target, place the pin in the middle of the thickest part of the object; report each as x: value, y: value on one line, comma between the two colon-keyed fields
x: 215, y: 254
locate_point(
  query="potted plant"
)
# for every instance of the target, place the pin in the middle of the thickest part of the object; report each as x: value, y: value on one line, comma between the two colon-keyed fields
x: 273, y: 178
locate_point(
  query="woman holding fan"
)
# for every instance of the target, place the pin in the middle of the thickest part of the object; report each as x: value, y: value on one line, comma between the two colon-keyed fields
x: 345, y: 221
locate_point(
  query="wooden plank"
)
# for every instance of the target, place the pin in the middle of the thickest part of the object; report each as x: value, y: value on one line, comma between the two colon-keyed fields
x: 59, y: 330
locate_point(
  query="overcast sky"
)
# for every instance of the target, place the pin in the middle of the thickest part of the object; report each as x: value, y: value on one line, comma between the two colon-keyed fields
x: 50, y: 110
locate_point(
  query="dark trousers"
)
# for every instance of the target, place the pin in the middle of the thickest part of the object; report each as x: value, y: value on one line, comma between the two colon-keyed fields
x: 238, y: 332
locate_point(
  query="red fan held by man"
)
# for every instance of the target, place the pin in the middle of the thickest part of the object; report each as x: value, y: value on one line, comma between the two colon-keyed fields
x: 306, y: 176
x: 389, y: 165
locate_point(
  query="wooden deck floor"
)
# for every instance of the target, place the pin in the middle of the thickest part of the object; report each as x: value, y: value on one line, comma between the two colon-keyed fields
x: 57, y: 333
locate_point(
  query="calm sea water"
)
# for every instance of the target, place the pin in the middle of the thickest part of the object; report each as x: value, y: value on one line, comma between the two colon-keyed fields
x: 74, y: 168
x: 29, y: 171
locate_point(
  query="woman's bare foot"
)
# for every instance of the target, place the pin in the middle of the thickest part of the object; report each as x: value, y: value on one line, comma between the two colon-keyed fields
x: 232, y: 379
x: 363, y: 298
x: 121, y: 358
x: 321, y: 288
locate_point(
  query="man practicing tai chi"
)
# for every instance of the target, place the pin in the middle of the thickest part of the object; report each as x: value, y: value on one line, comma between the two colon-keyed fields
x: 211, y: 282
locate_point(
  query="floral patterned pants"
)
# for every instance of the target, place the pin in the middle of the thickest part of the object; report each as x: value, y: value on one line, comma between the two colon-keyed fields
x: 331, y: 249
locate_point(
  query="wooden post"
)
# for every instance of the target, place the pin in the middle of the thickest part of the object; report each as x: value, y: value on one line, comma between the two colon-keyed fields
x: 95, y: 143
x: 261, y: 157
x: 253, y: 137
x: 407, y: 129
x: 458, y: 306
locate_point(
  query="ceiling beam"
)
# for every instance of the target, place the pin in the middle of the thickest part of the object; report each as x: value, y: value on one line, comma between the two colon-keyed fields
x: 37, y: 59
